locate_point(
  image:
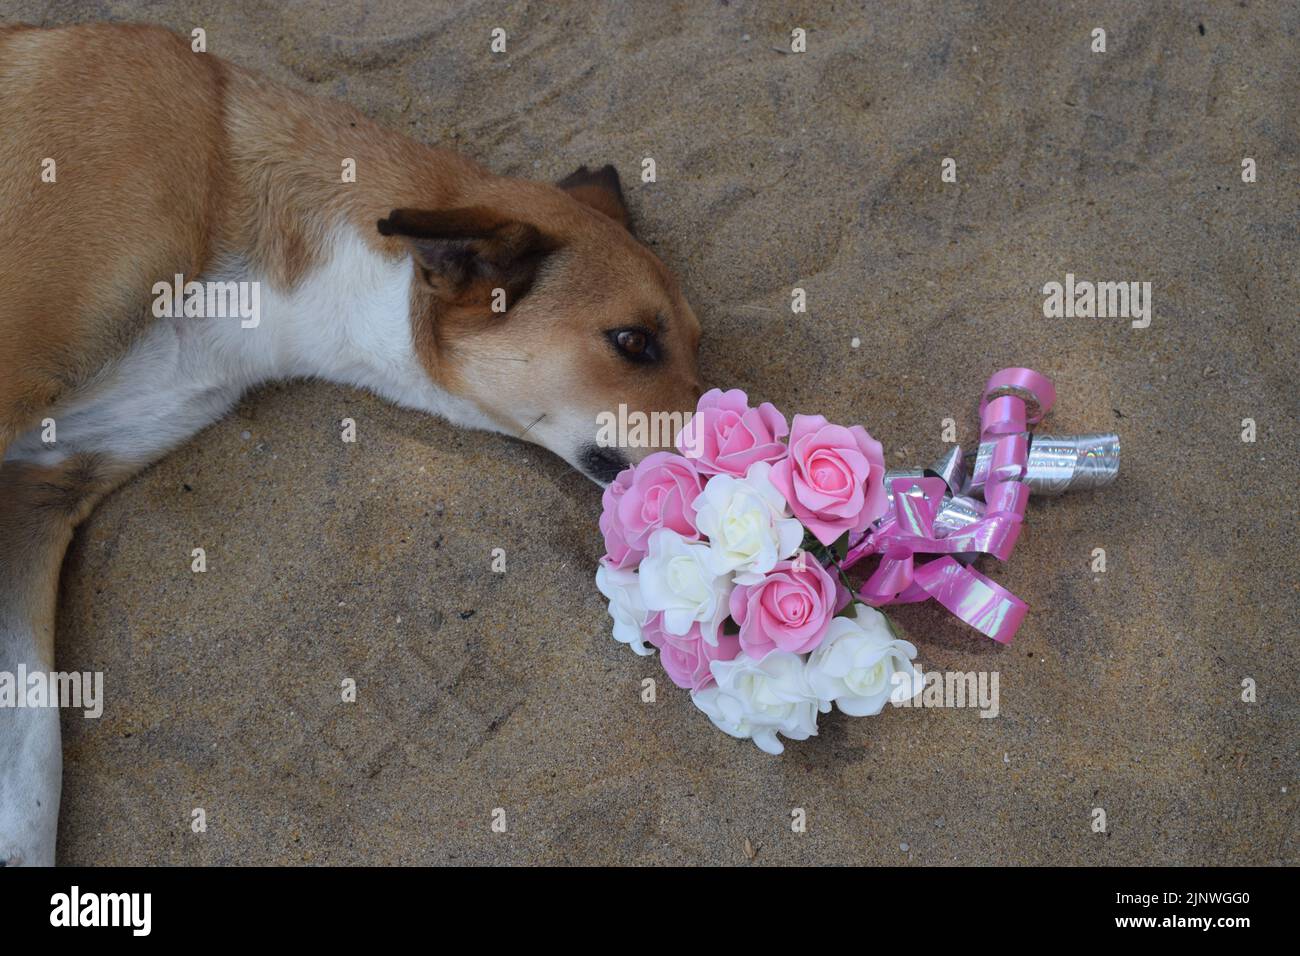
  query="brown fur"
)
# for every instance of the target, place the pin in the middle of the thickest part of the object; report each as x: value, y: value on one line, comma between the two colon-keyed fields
x: 112, y: 224
x: 176, y: 162
x: 168, y: 160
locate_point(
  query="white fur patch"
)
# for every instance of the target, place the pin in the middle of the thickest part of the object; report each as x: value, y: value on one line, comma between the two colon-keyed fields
x: 347, y: 322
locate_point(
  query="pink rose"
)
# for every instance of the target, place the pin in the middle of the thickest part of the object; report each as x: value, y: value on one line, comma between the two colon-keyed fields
x: 618, y: 553
x: 657, y: 493
x: 834, y: 478
x: 686, y: 659
x: 789, y: 610
x: 726, y: 436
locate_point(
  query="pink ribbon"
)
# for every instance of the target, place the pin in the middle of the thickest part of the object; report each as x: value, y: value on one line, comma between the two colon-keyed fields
x: 1014, y: 400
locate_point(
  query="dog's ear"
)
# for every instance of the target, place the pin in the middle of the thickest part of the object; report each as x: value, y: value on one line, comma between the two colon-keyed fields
x: 465, y: 254
x: 600, y: 190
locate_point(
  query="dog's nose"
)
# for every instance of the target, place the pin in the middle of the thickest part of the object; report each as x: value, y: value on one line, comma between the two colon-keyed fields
x: 602, y: 464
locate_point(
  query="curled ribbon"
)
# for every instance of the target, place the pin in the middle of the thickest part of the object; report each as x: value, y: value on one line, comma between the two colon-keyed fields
x: 933, y: 511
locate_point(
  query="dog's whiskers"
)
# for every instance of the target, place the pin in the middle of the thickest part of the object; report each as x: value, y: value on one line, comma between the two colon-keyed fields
x: 534, y: 422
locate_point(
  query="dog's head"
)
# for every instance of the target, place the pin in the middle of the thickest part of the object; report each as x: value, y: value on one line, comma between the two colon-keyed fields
x: 537, y: 304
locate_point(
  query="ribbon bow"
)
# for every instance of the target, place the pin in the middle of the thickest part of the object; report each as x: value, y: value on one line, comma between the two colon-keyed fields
x: 931, y: 511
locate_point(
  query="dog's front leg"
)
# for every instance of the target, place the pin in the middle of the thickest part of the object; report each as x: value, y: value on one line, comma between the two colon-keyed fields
x: 31, y: 763
x: 39, y: 507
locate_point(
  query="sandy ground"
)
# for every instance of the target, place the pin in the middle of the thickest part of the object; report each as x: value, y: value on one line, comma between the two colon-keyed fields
x: 480, y: 690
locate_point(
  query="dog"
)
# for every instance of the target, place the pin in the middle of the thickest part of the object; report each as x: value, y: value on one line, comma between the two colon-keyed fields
x: 137, y: 176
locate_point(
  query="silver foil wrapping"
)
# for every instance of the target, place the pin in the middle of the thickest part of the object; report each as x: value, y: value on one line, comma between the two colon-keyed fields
x: 1058, y: 463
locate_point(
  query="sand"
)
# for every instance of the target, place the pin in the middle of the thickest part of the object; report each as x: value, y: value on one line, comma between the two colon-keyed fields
x: 479, y: 690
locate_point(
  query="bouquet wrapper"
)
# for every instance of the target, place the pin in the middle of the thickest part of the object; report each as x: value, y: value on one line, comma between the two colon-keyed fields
x: 965, y: 506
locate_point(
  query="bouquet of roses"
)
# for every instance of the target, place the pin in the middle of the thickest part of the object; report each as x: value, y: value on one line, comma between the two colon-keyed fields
x: 726, y: 558
x: 708, y: 551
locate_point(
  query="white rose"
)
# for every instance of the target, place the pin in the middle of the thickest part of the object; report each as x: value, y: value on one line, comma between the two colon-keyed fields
x: 625, y: 605
x: 677, y: 578
x: 760, y: 699
x: 747, y: 523
x: 856, y: 662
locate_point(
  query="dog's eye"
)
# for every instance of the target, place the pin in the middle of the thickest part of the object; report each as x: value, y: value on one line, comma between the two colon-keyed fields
x: 635, y: 345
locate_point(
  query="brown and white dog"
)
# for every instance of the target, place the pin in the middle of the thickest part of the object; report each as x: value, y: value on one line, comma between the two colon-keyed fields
x: 127, y: 160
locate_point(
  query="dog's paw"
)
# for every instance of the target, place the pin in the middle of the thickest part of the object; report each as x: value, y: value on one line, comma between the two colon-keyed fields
x: 12, y: 854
